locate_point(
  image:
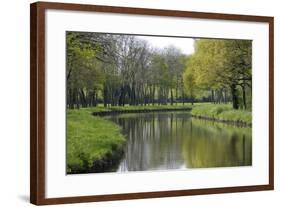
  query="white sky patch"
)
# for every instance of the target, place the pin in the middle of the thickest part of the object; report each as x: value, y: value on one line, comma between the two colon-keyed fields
x: 185, y: 44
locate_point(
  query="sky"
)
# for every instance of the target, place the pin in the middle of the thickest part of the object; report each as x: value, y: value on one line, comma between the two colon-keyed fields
x: 184, y: 44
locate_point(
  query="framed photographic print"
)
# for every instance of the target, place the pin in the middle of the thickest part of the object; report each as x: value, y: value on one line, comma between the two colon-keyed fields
x: 131, y: 103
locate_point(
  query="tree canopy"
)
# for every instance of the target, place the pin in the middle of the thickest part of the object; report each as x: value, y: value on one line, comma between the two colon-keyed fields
x: 221, y: 68
x: 123, y: 69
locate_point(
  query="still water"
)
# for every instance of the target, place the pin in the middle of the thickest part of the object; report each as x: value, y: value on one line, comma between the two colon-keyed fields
x: 175, y: 140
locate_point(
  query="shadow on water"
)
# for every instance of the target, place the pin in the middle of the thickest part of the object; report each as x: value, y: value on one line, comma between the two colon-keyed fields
x: 174, y: 140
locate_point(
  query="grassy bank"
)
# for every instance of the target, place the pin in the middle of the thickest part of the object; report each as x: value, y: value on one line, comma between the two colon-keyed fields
x: 138, y: 109
x: 95, y: 143
x: 90, y: 140
x: 133, y: 108
x: 222, y: 112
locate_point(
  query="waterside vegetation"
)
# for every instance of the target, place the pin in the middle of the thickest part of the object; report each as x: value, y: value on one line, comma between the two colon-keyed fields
x: 95, y: 144
x: 110, y: 73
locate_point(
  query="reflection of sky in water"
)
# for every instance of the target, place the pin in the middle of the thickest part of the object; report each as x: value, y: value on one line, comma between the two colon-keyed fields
x: 173, y: 140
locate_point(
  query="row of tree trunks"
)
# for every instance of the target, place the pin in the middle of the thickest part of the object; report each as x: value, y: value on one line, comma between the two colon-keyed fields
x: 77, y: 98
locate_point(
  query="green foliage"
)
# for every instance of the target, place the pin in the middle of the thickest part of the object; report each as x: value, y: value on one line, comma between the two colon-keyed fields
x: 121, y: 69
x: 90, y: 139
x: 222, y: 112
x: 221, y: 66
x: 190, y: 85
x: 83, y: 71
x: 236, y: 115
x: 160, y: 67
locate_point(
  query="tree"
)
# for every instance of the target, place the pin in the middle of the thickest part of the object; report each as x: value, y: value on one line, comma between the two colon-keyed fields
x: 221, y: 66
x: 124, y: 69
x: 84, y: 76
x: 176, y: 62
x: 190, y: 84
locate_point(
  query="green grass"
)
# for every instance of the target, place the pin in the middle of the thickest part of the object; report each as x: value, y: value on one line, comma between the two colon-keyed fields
x: 223, y: 112
x: 90, y: 139
x: 118, y: 108
x: 147, y: 107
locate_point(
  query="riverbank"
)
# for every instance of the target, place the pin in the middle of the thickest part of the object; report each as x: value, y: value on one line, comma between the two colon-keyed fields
x: 223, y: 113
x: 93, y: 143
x: 101, y: 111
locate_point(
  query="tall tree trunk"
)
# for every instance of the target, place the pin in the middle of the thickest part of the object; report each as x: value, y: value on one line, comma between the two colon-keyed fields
x: 132, y: 93
x: 244, y: 96
x: 83, y: 98
x: 121, y: 101
x: 71, y: 99
x: 94, y: 99
x: 76, y: 98
x: 213, y: 96
x: 225, y: 96
x: 221, y: 95
x: 234, y: 94
x: 177, y: 88
x: 172, y: 97
x: 105, y: 95
x: 152, y: 95
x: 182, y: 97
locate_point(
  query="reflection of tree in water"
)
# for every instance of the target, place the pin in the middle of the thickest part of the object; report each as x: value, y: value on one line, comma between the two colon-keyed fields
x: 214, y: 146
x: 172, y: 141
x: 152, y: 142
